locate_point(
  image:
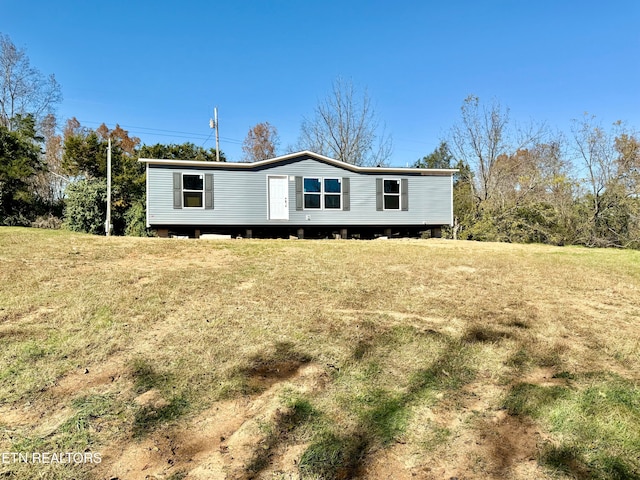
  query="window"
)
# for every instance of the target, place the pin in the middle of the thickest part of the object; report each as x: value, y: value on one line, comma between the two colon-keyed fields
x: 332, y: 191
x: 322, y: 193
x: 391, y: 194
x: 312, y: 193
x: 192, y: 191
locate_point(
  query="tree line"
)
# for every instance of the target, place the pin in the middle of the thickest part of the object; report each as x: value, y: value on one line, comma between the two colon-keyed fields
x: 531, y: 184
x: 515, y: 183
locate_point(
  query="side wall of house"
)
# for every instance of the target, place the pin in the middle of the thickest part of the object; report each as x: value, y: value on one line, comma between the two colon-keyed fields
x: 240, y: 197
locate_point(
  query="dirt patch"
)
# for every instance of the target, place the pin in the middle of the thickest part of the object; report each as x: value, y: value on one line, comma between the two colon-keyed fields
x: 544, y: 377
x: 265, y: 375
x: 151, y: 399
x: 509, y: 443
x: 86, y: 378
x: 221, y: 442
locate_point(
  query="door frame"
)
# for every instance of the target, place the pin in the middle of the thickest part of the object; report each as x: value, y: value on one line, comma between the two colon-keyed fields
x: 286, y: 198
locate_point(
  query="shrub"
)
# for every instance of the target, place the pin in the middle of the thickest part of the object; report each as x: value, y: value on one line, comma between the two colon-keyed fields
x: 86, y: 205
x: 136, y: 220
x: 47, y: 221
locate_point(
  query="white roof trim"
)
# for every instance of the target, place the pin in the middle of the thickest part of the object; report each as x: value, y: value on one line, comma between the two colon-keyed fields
x: 333, y: 161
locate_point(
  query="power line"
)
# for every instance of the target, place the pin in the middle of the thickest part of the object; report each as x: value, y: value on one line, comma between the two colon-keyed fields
x: 210, y: 135
x: 168, y: 133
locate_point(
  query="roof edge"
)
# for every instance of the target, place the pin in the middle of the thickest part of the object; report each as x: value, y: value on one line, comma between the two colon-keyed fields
x: 317, y: 156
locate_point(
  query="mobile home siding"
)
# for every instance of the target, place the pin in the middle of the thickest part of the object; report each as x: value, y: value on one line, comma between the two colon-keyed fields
x: 240, y: 197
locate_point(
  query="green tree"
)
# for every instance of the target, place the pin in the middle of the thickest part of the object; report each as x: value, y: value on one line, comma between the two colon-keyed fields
x: 441, y: 157
x: 463, y: 201
x: 20, y: 161
x: 183, y: 151
x: 85, y: 156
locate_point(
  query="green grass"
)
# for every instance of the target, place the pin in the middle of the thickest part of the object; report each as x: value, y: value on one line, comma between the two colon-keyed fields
x: 596, y: 421
x: 414, y: 343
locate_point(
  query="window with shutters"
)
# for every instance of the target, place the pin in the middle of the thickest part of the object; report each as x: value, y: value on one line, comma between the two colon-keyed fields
x: 192, y: 191
x: 322, y: 193
x: 391, y: 194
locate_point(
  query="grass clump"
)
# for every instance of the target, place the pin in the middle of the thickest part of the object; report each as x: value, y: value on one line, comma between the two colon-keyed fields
x: 333, y: 457
x: 532, y: 400
x: 597, y: 422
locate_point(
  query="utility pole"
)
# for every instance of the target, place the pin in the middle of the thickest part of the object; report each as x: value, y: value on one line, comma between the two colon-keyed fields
x: 107, y: 226
x: 214, y: 124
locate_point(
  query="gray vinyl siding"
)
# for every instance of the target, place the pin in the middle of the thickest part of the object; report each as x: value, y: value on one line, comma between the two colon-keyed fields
x: 240, y: 198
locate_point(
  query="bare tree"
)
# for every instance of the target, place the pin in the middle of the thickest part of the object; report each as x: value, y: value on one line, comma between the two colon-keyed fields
x: 611, y: 161
x: 50, y: 184
x: 346, y: 127
x: 23, y: 89
x: 260, y: 143
x: 595, y: 149
x: 482, y: 139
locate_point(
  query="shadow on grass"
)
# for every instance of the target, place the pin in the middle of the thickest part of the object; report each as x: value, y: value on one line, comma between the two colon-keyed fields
x: 483, y: 334
x: 383, y: 415
x: 297, y: 412
x: 597, y: 418
x: 145, y: 377
x: 570, y: 461
x: 269, y: 367
x: 451, y: 370
x: 147, y: 418
x: 334, y: 457
x: 529, y: 399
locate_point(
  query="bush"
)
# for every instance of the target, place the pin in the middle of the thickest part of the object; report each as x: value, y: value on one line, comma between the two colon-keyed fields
x: 47, y: 221
x: 136, y: 220
x: 86, y: 206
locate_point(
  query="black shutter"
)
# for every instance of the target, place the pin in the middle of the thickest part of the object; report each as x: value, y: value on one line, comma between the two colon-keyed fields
x: 177, y: 190
x: 299, y: 193
x: 379, y: 200
x: 346, y: 200
x: 208, y: 191
x: 404, y: 194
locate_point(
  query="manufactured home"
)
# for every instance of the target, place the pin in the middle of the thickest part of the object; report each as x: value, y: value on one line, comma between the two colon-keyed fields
x: 301, y: 194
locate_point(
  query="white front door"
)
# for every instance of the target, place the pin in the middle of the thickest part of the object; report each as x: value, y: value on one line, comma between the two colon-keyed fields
x: 278, y: 198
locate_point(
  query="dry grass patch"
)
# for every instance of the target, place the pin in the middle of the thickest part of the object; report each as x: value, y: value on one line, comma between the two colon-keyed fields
x: 318, y: 359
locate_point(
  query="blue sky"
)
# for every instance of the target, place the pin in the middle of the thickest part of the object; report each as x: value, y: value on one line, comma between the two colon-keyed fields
x: 158, y: 68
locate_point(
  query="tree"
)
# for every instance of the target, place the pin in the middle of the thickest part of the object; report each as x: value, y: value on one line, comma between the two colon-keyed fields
x: 84, y: 152
x: 480, y: 139
x: 463, y: 204
x: 23, y: 89
x: 441, y: 157
x: 183, y: 151
x: 19, y: 162
x: 610, y: 160
x: 85, y: 155
x: 260, y: 143
x: 50, y: 183
x: 483, y: 137
x: 346, y: 127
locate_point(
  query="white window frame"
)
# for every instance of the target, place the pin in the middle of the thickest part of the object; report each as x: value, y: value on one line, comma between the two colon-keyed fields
x: 399, y: 195
x: 185, y: 190
x: 322, y: 193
